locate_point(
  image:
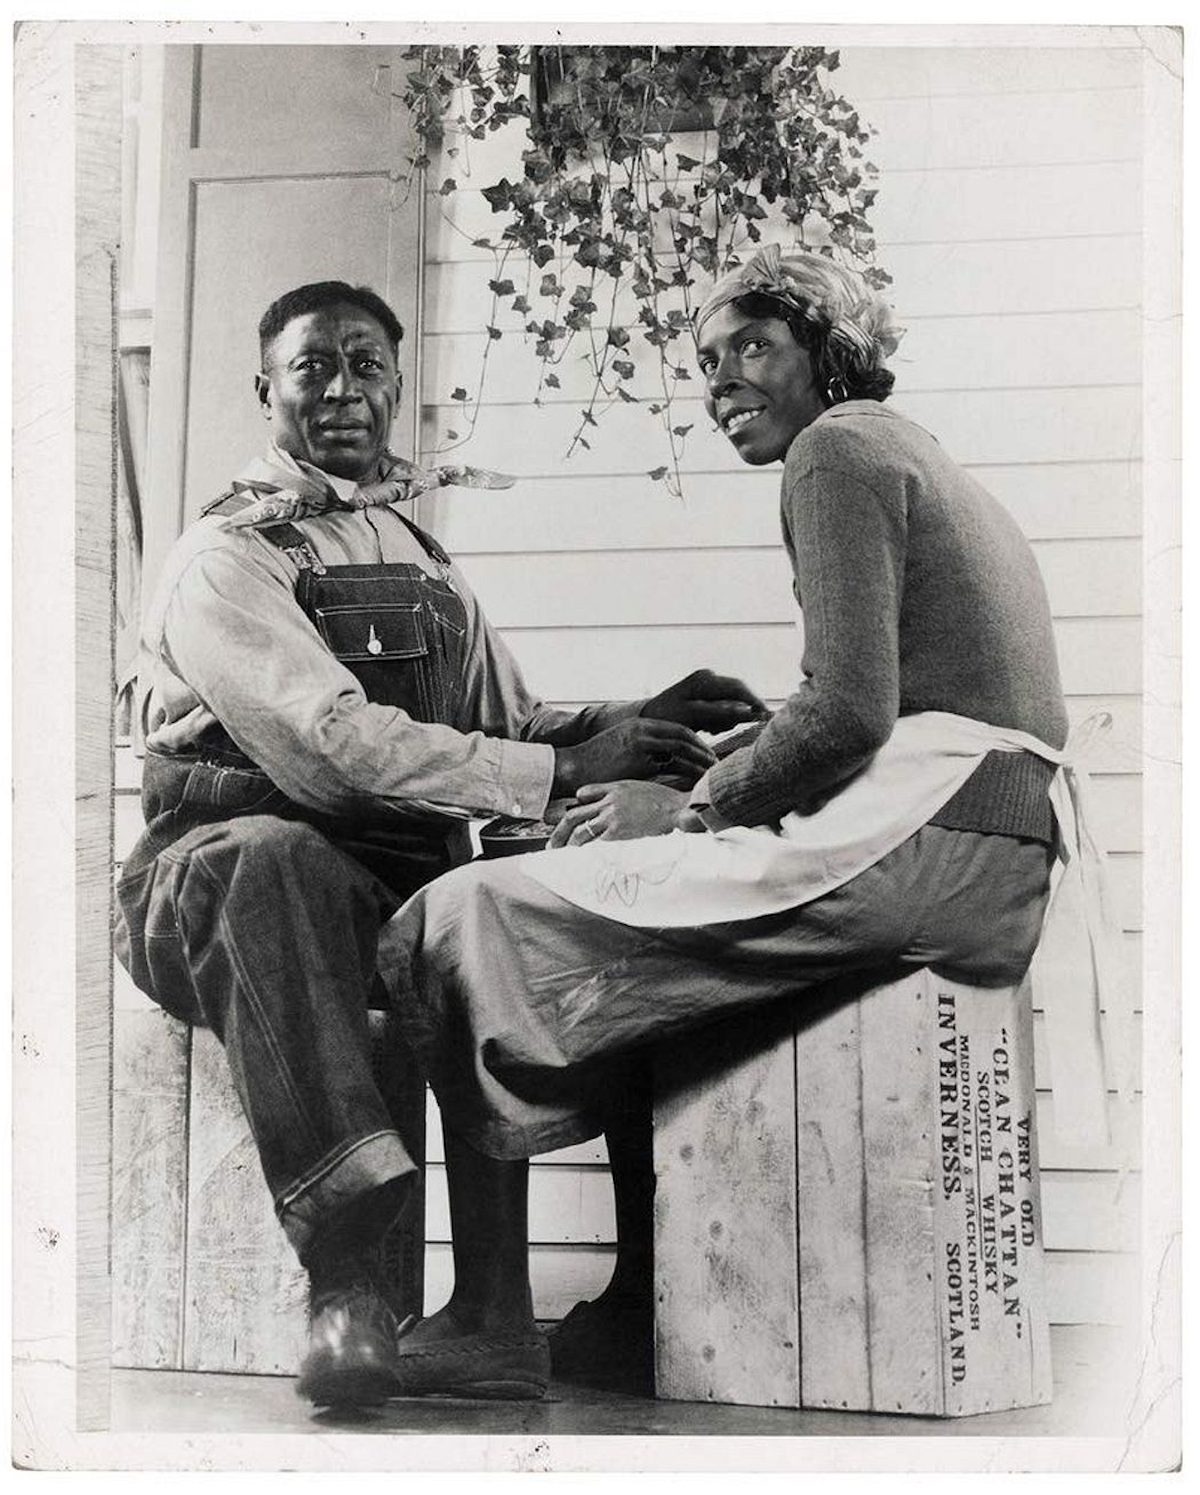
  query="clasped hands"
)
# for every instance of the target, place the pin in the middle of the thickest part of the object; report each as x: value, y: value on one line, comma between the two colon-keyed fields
x: 627, y: 778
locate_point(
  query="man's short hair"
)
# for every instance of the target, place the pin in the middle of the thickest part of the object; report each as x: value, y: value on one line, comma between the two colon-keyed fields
x: 310, y: 298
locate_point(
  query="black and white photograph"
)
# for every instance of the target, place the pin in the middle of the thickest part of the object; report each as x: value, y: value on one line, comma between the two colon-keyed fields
x: 597, y: 747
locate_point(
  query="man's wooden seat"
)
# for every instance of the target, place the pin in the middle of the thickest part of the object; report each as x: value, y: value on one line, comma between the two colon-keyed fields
x: 203, y: 1276
x: 848, y: 1211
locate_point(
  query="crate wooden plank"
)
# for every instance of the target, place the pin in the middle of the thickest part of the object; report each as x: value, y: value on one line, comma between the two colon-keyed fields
x: 726, y: 1287
x: 956, y: 1293
x: 835, y: 1367
x: 904, y: 1320
x: 149, y: 1120
x: 246, y: 1292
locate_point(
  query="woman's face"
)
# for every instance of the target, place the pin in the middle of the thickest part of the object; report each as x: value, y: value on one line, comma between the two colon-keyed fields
x: 759, y: 385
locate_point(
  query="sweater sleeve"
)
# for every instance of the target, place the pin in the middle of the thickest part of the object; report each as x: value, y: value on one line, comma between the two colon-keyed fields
x: 845, y: 525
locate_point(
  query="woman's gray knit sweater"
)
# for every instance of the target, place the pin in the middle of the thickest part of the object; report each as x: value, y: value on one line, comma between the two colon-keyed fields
x: 919, y: 593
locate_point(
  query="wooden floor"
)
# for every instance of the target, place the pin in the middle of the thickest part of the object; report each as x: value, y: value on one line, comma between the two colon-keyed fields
x: 1091, y: 1373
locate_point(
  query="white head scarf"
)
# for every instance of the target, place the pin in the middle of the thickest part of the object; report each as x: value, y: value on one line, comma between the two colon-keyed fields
x: 852, y: 322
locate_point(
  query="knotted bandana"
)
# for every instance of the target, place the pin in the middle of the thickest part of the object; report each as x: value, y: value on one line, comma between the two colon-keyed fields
x: 281, y: 496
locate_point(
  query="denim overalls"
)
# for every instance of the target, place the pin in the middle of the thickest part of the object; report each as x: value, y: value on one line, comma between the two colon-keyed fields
x: 259, y: 918
x: 401, y: 633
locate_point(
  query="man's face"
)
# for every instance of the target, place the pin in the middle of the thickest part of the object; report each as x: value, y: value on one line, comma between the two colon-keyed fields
x: 329, y: 387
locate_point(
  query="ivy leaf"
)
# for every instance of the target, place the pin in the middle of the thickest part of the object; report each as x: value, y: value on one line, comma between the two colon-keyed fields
x: 482, y: 243
x: 589, y: 418
x: 657, y: 473
x: 458, y: 394
x: 617, y: 337
x: 500, y: 195
x: 681, y: 430
x: 494, y: 333
x: 623, y: 367
x: 657, y: 409
x: 520, y: 304
x: 451, y: 435
x: 501, y: 287
x: 448, y: 186
x: 542, y: 255
x: 686, y: 163
x: 585, y: 444
x: 623, y: 394
x: 552, y: 381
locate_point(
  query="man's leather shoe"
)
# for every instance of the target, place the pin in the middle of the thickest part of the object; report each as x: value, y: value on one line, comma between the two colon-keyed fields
x: 351, y: 1360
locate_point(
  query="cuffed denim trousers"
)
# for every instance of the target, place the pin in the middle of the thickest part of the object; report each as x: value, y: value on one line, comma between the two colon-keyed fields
x: 240, y: 917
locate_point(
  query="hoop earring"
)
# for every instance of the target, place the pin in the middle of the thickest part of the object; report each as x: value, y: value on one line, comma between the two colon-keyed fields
x: 836, y: 391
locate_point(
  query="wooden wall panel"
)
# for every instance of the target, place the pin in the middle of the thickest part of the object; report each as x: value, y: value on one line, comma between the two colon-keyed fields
x: 307, y: 96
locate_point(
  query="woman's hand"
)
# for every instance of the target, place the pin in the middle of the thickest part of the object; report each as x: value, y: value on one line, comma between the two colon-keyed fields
x: 617, y: 812
x: 707, y: 702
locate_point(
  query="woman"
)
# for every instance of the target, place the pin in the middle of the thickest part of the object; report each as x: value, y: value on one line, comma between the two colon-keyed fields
x: 895, y: 811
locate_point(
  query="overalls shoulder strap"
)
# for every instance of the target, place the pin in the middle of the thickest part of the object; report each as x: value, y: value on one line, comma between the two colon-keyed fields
x: 426, y: 541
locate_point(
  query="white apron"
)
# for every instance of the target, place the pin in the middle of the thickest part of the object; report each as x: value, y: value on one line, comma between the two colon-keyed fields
x: 685, y: 880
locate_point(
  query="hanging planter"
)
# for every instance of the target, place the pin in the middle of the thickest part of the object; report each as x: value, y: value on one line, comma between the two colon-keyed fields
x: 646, y: 172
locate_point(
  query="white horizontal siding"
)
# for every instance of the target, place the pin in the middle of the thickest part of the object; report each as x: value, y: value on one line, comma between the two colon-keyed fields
x: 997, y: 277
x: 563, y: 511
x: 993, y: 427
x: 1098, y: 656
x: 924, y: 205
x: 1084, y: 578
x: 1076, y: 348
x: 1009, y: 217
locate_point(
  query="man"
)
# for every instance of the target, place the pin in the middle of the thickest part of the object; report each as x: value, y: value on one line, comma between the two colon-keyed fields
x: 325, y: 705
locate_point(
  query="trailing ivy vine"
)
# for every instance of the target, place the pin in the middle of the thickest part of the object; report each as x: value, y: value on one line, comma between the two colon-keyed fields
x: 613, y: 226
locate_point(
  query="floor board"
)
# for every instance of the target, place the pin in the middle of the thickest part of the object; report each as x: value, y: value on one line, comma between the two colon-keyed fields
x: 1090, y: 1374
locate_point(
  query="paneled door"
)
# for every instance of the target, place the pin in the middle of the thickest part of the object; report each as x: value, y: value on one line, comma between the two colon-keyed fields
x: 281, y: 165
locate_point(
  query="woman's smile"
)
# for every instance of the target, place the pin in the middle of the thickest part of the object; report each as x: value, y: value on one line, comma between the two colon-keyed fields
x: 759, y: 381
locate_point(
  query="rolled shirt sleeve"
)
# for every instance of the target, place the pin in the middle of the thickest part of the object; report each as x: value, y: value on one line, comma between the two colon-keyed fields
x: 233, y: 632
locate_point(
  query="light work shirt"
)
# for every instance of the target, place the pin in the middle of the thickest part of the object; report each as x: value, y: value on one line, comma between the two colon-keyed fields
x: 225, y: 641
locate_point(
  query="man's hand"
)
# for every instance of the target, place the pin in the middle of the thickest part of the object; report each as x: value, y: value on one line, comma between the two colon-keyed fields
x: 637, y: 748
x: 712, y: 703
x: 617, y: 812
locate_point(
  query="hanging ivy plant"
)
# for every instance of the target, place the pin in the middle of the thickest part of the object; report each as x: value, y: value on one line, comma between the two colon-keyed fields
x: 615, y: 223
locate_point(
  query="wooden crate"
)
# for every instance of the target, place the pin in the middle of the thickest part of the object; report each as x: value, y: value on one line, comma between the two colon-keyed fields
x: 203, y: 1276
x: 848, y: 1211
